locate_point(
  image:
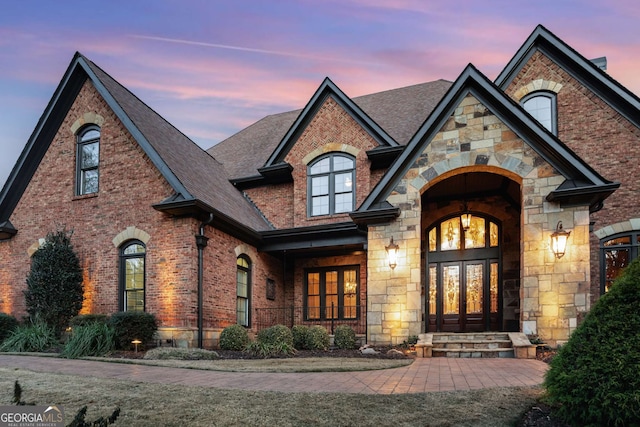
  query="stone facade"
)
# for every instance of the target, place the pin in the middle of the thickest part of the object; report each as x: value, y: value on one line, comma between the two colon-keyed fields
x: 553, y: 291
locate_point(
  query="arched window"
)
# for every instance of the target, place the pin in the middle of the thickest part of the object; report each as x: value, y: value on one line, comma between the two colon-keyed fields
x: 87, y: 160
x: 616, y: 252
x: 330, y: 185
x: 243, y: 291
x: 132, y: 276
x: 542, y: 106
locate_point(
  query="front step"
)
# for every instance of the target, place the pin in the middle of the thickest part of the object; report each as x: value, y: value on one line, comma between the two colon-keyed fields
x: 473, y: 345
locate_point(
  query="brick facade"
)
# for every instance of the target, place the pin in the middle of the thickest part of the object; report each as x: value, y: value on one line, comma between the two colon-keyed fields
x: 599, y: 135
x: 129, y: 185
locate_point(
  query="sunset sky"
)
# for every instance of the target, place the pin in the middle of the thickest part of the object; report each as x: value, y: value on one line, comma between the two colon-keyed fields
x: 212, y: 67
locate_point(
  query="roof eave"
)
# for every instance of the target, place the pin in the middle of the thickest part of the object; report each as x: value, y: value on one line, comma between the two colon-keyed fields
x: 7, y: 230
x: 592, y: 196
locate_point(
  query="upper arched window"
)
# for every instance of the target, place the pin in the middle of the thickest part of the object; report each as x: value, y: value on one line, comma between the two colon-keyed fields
x: 87, y: 160
x: 132, y: 276
x: 542, y: 106
x: 331, y: 181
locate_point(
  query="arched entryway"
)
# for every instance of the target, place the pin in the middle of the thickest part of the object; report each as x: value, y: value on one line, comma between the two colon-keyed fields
x: 471, y: 277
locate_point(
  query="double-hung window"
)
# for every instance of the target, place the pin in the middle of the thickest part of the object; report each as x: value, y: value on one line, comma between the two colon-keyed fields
x: 331, y: 181
x: 87, y: 161
x: 243, y: 291
x: 132, y: 276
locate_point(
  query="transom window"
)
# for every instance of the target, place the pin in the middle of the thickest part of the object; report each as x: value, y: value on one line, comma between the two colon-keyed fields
x: 332, y: 293
x: 87, y: 161
x: 542, y: 106
x: 132, y: 276
x: 243, y: 291
x: 331, y: 185
x: 615, y: 254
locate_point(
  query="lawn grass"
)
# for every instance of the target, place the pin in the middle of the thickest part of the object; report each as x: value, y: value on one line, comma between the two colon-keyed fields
x: 160, y: 405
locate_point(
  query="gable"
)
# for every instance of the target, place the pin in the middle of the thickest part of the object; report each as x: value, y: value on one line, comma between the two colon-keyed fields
x: 198, y: 183
x: 580, y: 185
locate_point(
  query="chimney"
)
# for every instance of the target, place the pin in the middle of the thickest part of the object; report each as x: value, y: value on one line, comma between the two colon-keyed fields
x: 600, y: 63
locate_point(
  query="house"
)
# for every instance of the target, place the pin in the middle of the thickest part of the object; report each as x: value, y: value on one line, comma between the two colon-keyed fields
x: 425, y: 208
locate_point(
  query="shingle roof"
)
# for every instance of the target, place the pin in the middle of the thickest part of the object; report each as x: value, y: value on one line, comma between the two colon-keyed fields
x: 203, y: 177
x: 400, y: 112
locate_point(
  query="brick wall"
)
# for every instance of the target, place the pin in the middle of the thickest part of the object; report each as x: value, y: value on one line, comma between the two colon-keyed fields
x: 129, y: 186
x: 600, y: 136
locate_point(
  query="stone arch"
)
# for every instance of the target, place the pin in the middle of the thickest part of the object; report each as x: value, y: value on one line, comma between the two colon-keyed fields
x: 619, y: 227
x: 130, y: 233
x: 87, y: 118
x: 35, y: 246
x: 330, y: 148
x: 245, y: 249
x: 536, y: 85
x: 446, y: 174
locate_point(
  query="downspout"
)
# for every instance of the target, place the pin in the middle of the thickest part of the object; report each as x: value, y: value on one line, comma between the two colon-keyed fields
x: 201, y: 243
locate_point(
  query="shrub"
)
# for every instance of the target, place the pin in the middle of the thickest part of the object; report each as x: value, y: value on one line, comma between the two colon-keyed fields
x: 172, y: 353
x: 299, y: 333
x: 93, y: 339
x: 54, y: 284
x: 234, y: 337
x: 87, y: 319
x: 317, y: 338
x: 594, y: 378
x: 133, y: 325
x: 276, y: 335
x: 7, y: 324
x: 266, y: 350
x: 35, y: 336
x: 344, y: 337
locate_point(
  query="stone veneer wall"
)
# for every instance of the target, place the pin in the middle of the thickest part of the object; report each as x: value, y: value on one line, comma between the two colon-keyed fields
x: 553, y: 291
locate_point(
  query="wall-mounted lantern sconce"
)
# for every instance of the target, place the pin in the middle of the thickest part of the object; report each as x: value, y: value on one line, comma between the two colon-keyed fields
x: 465, y: 218
x: 559, y: 240
x: 392, y: 253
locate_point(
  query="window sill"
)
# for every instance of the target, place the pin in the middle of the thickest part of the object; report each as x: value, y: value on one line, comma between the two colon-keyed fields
x: 85, y: 196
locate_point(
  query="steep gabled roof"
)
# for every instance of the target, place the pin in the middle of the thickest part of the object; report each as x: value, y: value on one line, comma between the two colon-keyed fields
x: 199, y: 182
x: 398, y: 112
x: 583, y: 184
x: 586, y: 72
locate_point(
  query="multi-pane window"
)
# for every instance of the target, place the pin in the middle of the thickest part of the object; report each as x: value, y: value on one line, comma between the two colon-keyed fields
x: 615, y: 254
x: 332, y: 293
x: 243, y: 291
x: 87, y: 161
x: 542, y: 106
x: 132, y: 276
x: 331, y: 185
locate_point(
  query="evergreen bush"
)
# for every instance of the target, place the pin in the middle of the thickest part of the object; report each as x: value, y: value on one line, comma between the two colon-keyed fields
x: 54, y: 284
x: 8, y: 324
x: 133, y: 325
x: 276, y: 335
x: 594, y: 378
x: 299, y: 333
x: 317, y: 338
x: 266, y: 350
x: 34, y: 336
x: 173, y: 353
x: 92, y: 339
x: 234, y: 337
x: 344, y: 337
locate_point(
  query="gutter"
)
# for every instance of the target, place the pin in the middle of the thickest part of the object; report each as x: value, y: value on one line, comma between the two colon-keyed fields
x: 201, y: 243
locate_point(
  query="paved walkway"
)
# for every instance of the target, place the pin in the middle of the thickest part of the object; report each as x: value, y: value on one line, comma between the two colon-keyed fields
x: 423, y: 375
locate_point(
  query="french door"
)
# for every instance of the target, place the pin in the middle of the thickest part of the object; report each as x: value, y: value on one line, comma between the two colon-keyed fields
x: 464, y: 276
